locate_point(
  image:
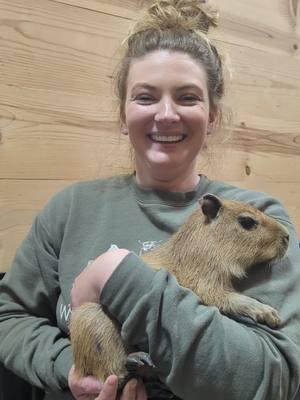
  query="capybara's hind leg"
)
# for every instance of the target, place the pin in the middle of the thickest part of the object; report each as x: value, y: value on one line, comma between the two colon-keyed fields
x: 96, y: 342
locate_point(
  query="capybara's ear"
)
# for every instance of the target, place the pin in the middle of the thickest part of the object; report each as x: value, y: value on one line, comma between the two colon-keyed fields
x: 211, y: 206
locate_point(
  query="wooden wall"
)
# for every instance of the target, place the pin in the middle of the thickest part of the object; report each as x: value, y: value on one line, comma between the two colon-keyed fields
x: 58, y: 117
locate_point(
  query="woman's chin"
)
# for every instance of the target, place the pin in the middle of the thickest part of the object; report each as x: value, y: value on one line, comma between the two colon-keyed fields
x: 163, y: 158
x: 163, y: 162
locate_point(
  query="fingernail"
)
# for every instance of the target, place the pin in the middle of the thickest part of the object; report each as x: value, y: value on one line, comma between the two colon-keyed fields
x: 111, y: 380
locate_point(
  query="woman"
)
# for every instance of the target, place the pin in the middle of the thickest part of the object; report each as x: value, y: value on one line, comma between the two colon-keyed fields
x: 170, y: 87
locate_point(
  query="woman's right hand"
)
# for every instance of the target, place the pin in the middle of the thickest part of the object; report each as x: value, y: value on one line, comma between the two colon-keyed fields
x: 90, y: 387
x: 88, y: 285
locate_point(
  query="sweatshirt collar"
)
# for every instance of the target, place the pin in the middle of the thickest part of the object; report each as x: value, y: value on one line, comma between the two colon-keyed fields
x: 180, y: 199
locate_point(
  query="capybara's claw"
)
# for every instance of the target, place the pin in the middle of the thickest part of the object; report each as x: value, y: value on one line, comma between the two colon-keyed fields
x: 138, y: 362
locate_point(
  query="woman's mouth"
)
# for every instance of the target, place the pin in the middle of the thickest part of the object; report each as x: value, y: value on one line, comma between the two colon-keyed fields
x: 166, y: 138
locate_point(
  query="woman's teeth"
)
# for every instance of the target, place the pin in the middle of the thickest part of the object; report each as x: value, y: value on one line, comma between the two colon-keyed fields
x: 167, y: 139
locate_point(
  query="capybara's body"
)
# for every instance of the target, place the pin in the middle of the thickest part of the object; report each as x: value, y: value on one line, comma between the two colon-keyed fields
x: 218, y: 242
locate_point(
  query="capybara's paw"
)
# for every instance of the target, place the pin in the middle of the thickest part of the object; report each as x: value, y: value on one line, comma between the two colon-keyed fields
x: 139, y: 363
x: 262, y: 313
x: 267, y: 315
x: 239, y: 304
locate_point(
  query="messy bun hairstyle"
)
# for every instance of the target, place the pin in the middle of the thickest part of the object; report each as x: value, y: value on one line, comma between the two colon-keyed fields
x: 175, y: 25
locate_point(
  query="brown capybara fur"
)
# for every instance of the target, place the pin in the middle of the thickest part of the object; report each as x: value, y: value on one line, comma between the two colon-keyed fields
x: 218, y: 243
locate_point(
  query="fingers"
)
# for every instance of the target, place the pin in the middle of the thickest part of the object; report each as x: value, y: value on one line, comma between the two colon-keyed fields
x: 109, y: 389
x: 129, y: 391
x: 134, y: 390
x: 141, y: 393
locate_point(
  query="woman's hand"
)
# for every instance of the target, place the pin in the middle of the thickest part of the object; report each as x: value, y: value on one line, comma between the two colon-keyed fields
x: 89, y: 387
x: 133, y: 390
x: 89, y: 283
x: 84, y: 388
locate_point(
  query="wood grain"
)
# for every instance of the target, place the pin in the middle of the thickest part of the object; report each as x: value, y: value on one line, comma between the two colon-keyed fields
x: 58, y: 114
x: 20, y: 202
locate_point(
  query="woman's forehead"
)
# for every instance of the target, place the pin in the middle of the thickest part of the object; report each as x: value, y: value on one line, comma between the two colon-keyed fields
x: 161, y: 66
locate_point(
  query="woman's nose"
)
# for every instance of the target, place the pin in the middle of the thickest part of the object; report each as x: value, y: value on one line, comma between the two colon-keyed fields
x: 166, y: 112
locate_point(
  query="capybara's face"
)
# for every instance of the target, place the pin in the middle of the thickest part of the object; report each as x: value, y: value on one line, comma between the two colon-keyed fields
x: 248, y: 235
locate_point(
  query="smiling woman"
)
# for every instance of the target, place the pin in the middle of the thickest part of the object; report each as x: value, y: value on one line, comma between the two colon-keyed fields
x: 167, y: 118
x: 166, y: 111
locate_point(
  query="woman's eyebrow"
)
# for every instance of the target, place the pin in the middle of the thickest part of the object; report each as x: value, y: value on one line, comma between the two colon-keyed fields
x: 190, y: 86
x: 143, y: 85
x: 185, y: 86
x: 179, y: 88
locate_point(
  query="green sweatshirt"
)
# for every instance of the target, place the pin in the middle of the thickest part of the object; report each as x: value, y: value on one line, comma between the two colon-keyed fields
x: 200, y: 353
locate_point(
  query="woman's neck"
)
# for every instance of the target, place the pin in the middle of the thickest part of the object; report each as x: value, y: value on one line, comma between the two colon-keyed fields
x: 186, y: 183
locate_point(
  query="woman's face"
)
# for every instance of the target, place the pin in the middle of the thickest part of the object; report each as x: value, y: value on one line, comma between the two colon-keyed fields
x: 167, y: 113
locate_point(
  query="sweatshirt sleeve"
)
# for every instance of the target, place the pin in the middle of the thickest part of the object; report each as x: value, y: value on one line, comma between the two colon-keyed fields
x: 201, y: 353
x: 31, y: 344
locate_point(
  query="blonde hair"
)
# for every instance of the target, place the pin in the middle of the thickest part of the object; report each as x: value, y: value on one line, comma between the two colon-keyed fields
x: 180, y: 26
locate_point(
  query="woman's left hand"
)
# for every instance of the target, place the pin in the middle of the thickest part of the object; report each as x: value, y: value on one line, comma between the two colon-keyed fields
x: 89, y: 283
x: 133, y: 390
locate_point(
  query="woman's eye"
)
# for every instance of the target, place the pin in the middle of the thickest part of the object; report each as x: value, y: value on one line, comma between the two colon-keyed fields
x: 144, y: 99
x: 189, y: 98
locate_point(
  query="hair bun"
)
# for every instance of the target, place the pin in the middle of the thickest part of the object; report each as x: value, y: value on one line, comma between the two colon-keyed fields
x: 182, y: 14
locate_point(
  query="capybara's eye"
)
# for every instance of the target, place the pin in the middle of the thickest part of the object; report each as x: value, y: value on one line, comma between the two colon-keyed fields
x: 247, y: 222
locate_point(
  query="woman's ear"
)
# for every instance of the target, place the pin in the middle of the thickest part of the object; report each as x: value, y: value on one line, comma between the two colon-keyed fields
x: 123, y: 125
x: 124, y: 129
x: 212, y: 120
